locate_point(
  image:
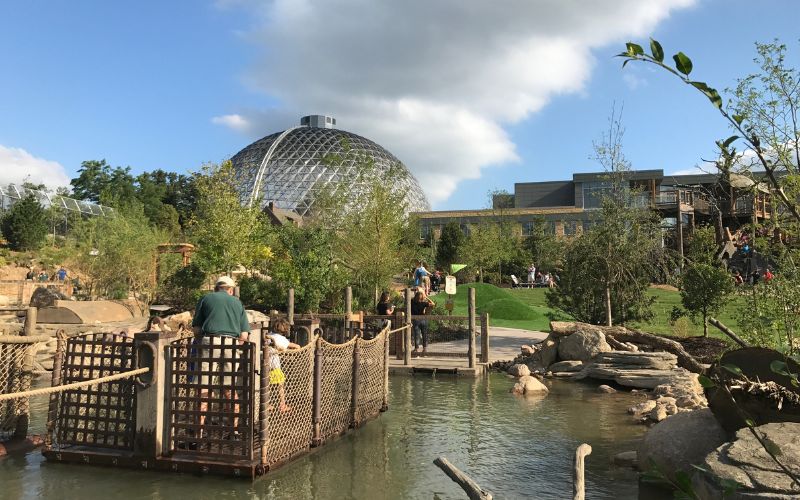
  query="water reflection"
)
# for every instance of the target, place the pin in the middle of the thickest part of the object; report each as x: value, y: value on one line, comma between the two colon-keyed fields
x: 517, y: 447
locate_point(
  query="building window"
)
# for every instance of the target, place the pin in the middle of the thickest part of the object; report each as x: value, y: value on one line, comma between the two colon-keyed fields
x: 527, y: 228
x: 465, y: 229
x: 424, y: 232
x: 550, y: 227
x: 594, y: 192
x: 587, y: 225
x: 570, y: 228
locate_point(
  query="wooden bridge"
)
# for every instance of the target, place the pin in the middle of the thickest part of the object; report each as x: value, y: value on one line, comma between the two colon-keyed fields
x: 208, y: 405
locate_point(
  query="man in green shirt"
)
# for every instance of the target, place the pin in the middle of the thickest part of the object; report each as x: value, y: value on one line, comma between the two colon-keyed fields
x: 218, y: 317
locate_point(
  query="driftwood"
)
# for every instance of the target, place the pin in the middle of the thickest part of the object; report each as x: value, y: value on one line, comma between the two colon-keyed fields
x: 727, y: 331
x: 578, y: 486
x: 473, y: 491
x: 620, y: 334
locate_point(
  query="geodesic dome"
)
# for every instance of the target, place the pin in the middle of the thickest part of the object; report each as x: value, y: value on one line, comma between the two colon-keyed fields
x: 289, y: 167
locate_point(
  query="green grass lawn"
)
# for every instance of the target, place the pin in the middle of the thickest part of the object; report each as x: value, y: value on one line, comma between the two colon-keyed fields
x: 527, y: 309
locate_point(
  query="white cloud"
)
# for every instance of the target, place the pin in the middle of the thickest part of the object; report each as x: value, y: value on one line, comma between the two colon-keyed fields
x: 17, y: 166
x: 234, y: 121
x: 434, y: 82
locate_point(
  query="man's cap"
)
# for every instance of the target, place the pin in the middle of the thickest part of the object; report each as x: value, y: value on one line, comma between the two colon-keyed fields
x: 225, y: 281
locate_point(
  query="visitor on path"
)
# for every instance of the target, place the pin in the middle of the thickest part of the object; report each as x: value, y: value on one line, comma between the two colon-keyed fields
x: 436, y: 281
x: 278, y: 344
x: 219, y: 314
x: 421, y: 275
x: 62, y: 274
x: 420, y: 306
x: 737, y: 278
x: 531, y: 274
x: 43, y: 276
x: 768, y: 275
x: 31, y: 275
x: 384, y: 307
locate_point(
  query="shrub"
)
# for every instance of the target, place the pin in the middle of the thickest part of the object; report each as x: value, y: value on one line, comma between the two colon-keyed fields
x: 25, y: 224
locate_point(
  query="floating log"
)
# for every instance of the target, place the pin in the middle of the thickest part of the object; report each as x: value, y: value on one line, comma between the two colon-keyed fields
x: 470, y: 487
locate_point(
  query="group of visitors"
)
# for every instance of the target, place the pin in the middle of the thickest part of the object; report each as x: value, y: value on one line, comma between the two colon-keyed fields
x: 42, y: 276
x: 753, y: 277
x: 429, y: 281
x: 537, y: 278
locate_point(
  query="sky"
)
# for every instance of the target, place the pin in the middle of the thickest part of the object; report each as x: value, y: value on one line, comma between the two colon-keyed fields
x: 472, y: 96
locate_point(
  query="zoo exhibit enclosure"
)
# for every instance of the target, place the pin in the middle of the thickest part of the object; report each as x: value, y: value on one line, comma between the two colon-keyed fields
x: 249, y: 425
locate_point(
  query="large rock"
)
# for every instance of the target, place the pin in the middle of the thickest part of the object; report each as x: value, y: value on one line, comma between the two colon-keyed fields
x: 680, y: 441
x: 256, y: 316
x: 566, y: 366
x: 583, y: 345
x: 544, y: 356
x: 519, y: 370
x: 529, y: 385
x: 642, y: 370
x: 46, y: 297
x: 745, y: 461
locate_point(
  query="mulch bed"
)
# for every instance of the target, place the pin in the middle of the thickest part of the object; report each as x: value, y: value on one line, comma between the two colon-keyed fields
x: 703, y: 349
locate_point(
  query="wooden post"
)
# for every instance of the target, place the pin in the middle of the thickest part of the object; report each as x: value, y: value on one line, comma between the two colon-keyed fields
x: 470, y: 487
x: 407, y: 345
x: 55, y: 381
x: 316, y: 402
x: 151, y: 405
x: 348, y: 310
x: 471, y: 307
x: 30, y: 322
x: 485, y: 338
x: 290, y: 309
x: 385, y: 405
x: 578, y: 488
x: 679, y: 228
x: 356, y: 379
x: 263, y: 398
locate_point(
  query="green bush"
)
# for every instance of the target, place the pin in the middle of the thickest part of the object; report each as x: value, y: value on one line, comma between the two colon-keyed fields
x: 262, y: 295
x: 183, y: 288
x: 25, y: 224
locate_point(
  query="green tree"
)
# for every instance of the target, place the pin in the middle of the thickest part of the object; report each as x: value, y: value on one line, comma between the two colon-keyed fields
x: 227, y: 234
x: 702, y: 247
x: 118, y: 255
x: 615, y: 261
x: 542, y: 247
x: 25, y: 224
x: 449, y: 246
x: 705, y: 289
x: 485, y: 247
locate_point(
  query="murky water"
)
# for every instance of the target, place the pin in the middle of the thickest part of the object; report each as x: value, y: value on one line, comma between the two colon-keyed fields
x: 515, y: 447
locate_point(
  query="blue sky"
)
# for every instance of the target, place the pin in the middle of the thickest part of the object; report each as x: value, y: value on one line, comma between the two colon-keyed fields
x: 470, y: 100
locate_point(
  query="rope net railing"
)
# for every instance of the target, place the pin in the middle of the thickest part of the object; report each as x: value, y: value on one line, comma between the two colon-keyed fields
x: 289, y: 406
x: 93, y: 400
x: 16, y: 374
x: 336, y: 387
x: 371, y: 368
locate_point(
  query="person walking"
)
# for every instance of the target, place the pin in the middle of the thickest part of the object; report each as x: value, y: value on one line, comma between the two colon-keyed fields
x: 219, y: 315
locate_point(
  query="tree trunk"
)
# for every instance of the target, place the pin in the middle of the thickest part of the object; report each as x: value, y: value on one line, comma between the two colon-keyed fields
x: 608, y: 306
x: 480, y: 274
x: 705, y: 326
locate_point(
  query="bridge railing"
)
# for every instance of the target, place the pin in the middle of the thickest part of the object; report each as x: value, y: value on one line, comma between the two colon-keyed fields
x: 17, y: 355
x: 210, y: 404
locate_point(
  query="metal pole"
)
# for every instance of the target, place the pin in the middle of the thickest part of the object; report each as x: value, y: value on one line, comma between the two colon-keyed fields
x: 485, y: 338
x: 316, y: 402
x: 471, y: 349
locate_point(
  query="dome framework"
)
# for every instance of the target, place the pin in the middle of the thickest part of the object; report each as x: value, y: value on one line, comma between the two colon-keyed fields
x: 292, y: 167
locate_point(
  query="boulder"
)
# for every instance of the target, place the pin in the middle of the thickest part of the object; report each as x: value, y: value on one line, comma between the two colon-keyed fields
x: 658, y: 414
x: 545, y: 355
x: 678, y: 442
x: 566, y: 366
x: 583, y: 345
x: 607, y: 389
x: 256, y: 316
x: 519, y: 370
x: 175, y: 321
x: 528, y: 385
x: 643, y: 407
x: 745, y: 461
x: 527, y: 350
x: 46, y: 297
x: 625, y: 459
x: 643, y: 370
